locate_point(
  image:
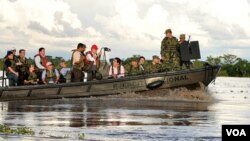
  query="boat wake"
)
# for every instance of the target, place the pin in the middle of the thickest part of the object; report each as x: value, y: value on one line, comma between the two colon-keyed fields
x: 198, y: 94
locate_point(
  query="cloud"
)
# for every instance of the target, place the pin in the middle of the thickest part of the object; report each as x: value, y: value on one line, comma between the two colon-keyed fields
x: 36, y: 26
x: 127, y: 26
x: 49, y: 23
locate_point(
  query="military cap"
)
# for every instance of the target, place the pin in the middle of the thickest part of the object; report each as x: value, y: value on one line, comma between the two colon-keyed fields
x: 134, y: 59
x: 182, y: 36
x: 156, y: 57
x: 168, y: 31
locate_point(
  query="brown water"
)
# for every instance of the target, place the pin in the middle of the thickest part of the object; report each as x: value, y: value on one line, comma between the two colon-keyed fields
x: 132, y: 118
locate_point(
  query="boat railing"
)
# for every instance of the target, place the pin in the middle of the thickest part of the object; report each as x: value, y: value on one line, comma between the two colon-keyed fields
x: 3, y: 79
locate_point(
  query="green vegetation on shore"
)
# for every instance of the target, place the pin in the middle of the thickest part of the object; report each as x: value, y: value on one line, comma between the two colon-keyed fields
x: 19, y: 130
x: 232, y: 65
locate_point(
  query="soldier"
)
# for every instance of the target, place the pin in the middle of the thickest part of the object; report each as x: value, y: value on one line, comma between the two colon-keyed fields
x: 184, y: 64
x: 22, y: 67
x: 155, y: 66
x: 134, y: 67
x: 169, y: 51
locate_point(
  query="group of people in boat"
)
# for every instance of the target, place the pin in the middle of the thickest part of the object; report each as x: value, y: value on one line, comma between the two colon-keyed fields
x: 85, y: 65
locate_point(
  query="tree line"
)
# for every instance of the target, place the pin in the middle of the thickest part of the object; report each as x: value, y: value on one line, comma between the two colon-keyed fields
x: 231, y: 65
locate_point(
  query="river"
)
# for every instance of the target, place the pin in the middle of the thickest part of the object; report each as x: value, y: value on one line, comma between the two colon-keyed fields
x: 130, y: 119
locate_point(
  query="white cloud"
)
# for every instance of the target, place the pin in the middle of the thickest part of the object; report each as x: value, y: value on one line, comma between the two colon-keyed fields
x: 127, y: 26
x: 49, y: 23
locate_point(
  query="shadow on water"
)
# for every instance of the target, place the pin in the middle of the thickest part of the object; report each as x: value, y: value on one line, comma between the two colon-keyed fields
x: 129, y: 116
x: 134, y: 117
x: 102, y: 112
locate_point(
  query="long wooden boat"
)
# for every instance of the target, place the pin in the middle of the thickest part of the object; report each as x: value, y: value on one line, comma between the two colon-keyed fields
x: 145, y: 82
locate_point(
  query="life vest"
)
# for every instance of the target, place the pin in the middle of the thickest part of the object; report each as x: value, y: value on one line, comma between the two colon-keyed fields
x: 78, y: 66
x: 13, y: 66
x: 88, y: 61
x: 43, y: 61
x: 50, y: 75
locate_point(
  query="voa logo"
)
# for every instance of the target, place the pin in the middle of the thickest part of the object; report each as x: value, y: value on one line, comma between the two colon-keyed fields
x: 236, y: 132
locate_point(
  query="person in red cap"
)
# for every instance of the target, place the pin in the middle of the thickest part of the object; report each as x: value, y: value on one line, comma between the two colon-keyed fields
x: 92, y: 58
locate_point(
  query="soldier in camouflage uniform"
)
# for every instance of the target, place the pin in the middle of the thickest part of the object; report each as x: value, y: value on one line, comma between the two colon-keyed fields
x: 155, y: 66
x: 169, y: 51
x: 134, y: 67
x: 22, y: 67
x: 32, y: 77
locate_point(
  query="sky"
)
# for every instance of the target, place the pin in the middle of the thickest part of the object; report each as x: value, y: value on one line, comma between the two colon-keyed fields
x: 128, y: 27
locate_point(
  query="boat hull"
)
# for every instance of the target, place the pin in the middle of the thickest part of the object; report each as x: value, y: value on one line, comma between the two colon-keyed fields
x: 171, y: 79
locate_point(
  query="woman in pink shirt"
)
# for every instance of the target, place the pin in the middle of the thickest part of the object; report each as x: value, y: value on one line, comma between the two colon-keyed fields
x: 116, y: 70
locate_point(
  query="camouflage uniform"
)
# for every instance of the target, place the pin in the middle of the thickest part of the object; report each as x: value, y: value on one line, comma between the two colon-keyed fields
x: 22, y: 69
x: 169, y: 50
x: 134, y: 71
x: 154, y: 68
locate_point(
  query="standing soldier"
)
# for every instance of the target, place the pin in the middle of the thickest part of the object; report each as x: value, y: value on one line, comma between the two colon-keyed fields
x: 169, y: 51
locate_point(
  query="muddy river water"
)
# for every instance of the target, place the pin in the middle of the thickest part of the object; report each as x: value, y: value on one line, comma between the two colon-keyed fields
x: 131, y: 118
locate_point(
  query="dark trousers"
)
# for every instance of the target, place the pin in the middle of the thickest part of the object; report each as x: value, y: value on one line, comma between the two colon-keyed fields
x: 77, y: 75
x: 12, y: 79
x: 39, y: 76
x: 22, y: 77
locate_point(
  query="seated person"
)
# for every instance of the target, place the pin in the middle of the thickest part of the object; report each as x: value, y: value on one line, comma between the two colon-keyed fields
x: 11, y: 70
x: 32, y: 77
x: 141, y: 63
x: 50, y: 75
x: 116, y: 70
x: 65, y: 72
x: 155, y: 66
x: 134, y: 67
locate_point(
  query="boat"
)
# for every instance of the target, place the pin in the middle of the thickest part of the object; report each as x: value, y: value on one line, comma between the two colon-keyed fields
x: 105, y: 86
x: 139, y: 83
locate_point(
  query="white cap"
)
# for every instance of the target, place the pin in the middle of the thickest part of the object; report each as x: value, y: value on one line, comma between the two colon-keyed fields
x: 48, y: 63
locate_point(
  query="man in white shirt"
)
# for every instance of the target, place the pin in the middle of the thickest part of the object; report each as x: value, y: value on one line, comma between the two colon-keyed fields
x: 40, y: 62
